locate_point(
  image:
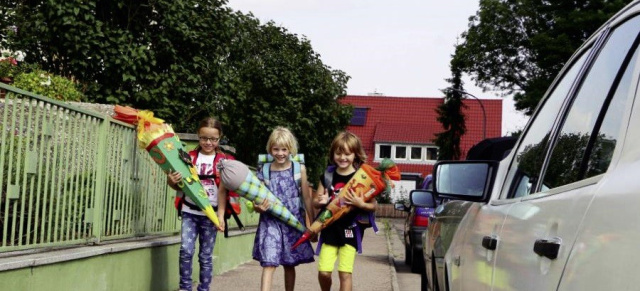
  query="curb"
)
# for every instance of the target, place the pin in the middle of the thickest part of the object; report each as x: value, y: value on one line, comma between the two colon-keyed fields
x: 392, y: 267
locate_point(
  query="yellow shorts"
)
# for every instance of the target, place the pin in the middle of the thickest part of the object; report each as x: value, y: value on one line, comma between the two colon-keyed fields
x: 329, y: 254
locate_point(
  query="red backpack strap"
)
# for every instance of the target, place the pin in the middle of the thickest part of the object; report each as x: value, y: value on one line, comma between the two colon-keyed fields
x: 194, y: 156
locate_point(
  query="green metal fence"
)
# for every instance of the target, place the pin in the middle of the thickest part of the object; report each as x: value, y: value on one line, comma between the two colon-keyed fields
x: 69, y: 176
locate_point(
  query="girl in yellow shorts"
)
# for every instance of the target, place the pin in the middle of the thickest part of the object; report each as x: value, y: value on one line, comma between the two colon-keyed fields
x: 340, y: 240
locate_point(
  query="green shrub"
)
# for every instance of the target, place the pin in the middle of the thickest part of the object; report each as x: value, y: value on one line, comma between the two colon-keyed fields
x: 49, y: 85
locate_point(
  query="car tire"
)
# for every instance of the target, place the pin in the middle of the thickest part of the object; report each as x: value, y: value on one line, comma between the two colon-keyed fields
x: 407, y: 254
x: 434, y: 275
x: 424, y: 282
x: 417, y: 262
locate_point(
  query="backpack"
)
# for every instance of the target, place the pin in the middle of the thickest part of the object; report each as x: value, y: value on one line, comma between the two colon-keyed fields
x: 264, y: 166
x: 362, y: 221
x: 233, y: 208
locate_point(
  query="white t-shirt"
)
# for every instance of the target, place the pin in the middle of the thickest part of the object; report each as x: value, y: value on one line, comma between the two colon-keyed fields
x: 204, y: 166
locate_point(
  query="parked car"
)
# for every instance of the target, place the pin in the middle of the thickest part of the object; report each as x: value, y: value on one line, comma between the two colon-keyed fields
x: 560, y: 212
x: 420, y: 208
x: 444, y: 221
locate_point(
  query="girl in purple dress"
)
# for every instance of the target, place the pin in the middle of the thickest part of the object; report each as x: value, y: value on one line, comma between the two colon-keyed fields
x: 274, y: 238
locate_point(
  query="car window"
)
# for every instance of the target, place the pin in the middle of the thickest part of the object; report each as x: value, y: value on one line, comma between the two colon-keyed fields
x: 531, y: 151
x: 424, y: 200
x: 607, y: 137
x: 567, y: 161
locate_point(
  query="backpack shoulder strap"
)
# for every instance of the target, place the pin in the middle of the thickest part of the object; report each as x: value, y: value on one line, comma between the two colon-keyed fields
x: 328, y: 176
x: 216, y: 160
x: 264, y: 166
x: 194, y: 156
x: 297, y: 174
x: 266, y: 171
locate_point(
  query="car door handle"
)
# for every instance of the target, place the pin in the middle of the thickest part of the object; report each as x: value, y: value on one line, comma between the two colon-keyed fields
x: 490, y: 242
x: 547, y: 248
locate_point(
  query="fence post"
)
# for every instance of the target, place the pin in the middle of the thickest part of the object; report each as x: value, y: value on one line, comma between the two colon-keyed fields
x: 100, y: 188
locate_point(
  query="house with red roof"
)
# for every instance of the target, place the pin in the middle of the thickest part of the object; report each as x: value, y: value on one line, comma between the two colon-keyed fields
x: 403, y: 129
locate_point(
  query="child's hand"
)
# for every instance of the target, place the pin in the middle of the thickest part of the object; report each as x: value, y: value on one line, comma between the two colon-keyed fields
x: 323, y: 197
x: 352, y: 199
x: 262, y: 207
x: 222, y: 224
x: 174, y: 178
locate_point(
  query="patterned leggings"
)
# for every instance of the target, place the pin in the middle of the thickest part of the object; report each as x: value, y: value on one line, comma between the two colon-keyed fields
x: 192, y: 226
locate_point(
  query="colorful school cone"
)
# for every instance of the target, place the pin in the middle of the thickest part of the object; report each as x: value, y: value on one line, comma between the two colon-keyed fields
x: 237, y: 177
x: 167, y: 151
x: 367, y: 183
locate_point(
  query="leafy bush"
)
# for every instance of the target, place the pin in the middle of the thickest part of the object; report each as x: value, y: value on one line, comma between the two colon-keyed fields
x: 49, y: 85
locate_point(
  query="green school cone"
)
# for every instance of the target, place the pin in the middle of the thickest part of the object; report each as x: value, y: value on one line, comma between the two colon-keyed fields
x: 167, y: 151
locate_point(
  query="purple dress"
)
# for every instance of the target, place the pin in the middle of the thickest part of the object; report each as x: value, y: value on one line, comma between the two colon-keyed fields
x: 274, y: 238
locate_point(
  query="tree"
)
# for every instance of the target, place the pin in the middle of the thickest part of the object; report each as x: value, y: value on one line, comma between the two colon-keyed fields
x: 155, y: 54
x: 185, y: 60
x: 519, y: 46
x: 279, y: 80
x: 451, y: 117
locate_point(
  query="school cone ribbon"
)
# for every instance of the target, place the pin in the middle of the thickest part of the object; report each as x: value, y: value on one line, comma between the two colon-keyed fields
x: 167, y: 151
x: 237, y: 177
x: 367, y: 183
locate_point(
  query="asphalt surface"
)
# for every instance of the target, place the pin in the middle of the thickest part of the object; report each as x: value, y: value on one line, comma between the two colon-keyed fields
x: 375, y: 268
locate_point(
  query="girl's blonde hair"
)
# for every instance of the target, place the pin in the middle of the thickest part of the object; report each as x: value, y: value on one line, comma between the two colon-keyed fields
x: 281, y: 136
x: 347, y: 141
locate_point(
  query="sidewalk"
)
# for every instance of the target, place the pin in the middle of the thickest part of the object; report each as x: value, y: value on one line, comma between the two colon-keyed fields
x: 374, y: 269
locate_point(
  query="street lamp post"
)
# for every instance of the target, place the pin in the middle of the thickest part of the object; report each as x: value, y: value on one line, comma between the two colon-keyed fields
x: 484, y: 113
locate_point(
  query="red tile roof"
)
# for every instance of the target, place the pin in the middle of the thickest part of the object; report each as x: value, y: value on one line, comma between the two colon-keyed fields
x: 413, y: 120
x: 404, y: 133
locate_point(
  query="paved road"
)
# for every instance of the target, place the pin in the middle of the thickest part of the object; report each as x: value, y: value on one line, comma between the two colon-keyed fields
x: 407, y: 281
x: 380, y: 267
x: 373, y: 269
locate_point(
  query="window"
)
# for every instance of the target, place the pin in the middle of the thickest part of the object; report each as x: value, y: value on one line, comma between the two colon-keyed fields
x: 605, y: 141
x: 385, y: 152
x: 432, y: 153
x: 401, y: 152
x: 530, y: 154
x: 408, y: 154
x: 416, y: 153
x: 359, y: 116
x: 567, y: 163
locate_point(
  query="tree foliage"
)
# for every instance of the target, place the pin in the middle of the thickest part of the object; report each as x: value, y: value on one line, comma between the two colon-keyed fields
x: 155, y: 54
x: 519, y: 46
x: 185, y: 60
x: 279, y: 80
x: 451, y: 117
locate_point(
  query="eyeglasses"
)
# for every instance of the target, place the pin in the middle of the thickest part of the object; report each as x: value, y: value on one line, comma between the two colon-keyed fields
x: 211, y: 139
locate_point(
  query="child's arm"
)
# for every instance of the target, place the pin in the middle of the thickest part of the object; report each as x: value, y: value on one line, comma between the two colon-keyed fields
x: 320, y: 197
x: 357, y: 201
x: 222, y: 205
x: 173, y: 178
x: 304, y: 184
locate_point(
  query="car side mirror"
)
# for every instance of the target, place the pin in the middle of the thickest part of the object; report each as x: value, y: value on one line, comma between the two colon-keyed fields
x: 465, y: 180
x: 400, y: 206
x: 422, y: 198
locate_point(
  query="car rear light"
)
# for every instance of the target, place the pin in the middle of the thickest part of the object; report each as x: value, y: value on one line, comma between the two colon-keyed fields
x: 420, y: 221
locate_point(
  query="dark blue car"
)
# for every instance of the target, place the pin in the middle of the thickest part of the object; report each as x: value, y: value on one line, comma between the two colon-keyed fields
x: 415, y: 224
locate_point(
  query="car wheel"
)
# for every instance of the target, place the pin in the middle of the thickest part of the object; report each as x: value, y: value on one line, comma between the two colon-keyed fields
x: 434, y: 275
x: 407, y: 254
x: 424, y: 282
x: 417, y: 262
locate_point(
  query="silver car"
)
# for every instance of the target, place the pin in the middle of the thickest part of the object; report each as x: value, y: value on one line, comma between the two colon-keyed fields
x: 562, y: 211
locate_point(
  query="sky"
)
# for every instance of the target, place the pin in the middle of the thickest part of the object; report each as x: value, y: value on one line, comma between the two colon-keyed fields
x: 397, y: 48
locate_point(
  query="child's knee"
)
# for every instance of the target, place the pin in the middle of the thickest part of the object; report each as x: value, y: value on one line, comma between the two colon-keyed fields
x: 344, y: 276
x: 324, y: 275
